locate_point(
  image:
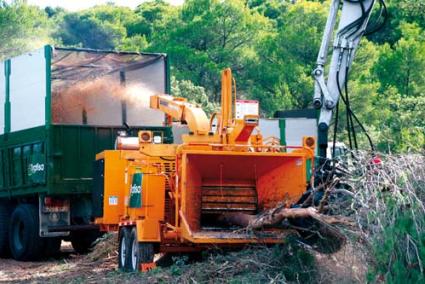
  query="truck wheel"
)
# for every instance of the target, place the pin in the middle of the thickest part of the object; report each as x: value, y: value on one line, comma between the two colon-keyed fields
x: 24, y: 239
x: 84, y: 241
x: 140, y: 252
x: 53, y: 246
x: 5, y: 212
x: 124, y: 249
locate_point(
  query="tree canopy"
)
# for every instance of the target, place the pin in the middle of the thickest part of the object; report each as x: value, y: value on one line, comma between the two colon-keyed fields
x: 271, y: 46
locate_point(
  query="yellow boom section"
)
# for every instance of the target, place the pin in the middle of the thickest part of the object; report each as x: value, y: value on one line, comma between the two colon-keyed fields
x: 181, y: 110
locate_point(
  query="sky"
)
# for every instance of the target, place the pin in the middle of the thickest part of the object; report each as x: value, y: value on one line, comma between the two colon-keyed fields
x: 75, y: 5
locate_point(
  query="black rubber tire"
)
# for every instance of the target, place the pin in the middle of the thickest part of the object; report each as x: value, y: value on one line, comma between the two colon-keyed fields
x: 143, y: 252
x: 84, y: 241
x: 24, y: 239
x: 52, y: 247
x: 5, y: 212
x: 124, y: 249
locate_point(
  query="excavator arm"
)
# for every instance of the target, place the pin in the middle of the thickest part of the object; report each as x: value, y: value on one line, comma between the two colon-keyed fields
x: 183, y: 111
x: 353, y: 21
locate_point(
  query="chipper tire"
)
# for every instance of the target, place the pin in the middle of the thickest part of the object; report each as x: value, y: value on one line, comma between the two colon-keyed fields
x: 5, y: 212
x: 24, y: 239
x: 124, y: 249
x: 141, y: 253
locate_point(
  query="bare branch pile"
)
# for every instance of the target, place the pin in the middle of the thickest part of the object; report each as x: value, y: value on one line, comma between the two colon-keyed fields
x: 388, y: 198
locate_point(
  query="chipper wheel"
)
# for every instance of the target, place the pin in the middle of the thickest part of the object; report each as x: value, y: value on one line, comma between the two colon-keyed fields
x: 142, y: 254
x: 124, y: 249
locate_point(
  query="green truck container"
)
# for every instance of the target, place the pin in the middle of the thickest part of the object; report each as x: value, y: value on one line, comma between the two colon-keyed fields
x: 59, y: 108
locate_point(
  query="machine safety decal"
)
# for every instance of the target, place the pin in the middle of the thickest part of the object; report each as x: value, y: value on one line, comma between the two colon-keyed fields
x: 136, y: 191
x: 113, y: 200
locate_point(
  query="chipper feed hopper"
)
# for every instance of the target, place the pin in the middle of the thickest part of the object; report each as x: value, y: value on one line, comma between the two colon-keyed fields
x: 172, y: 198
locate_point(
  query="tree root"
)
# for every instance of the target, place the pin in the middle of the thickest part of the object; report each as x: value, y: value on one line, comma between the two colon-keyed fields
x: 322, y: 226
x: 274, y: 217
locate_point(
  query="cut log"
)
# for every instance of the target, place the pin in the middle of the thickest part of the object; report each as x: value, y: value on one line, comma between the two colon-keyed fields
x: 274, y: 217
x: 315, y: 227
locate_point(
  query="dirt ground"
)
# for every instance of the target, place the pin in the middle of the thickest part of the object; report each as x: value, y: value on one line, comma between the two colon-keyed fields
x: 347, y: 265
x: 67, y: 267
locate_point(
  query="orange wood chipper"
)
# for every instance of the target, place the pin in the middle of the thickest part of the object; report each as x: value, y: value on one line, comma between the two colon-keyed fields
x: 169, y: 198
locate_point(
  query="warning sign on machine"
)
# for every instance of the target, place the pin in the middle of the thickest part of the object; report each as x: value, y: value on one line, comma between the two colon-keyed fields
x: 245, y: 107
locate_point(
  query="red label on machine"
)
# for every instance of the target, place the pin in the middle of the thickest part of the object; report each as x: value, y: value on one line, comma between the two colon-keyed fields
x: 246, y: 107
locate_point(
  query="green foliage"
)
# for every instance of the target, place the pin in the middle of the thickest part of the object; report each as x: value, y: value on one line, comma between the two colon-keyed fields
x: 22, y: 28
x: 272, y: 9
x: 400, y: 126
x: 412, y: 11
x: 399, y: 11
x: 271, y: 46
x: 399, y: 71
x: 134, y: 43
x: 101, y: 27
x: 281, y: 73
x: 400, y: 251
x: 207, y: 36
x: 194, y: 94
x: 408, y: 58
x: 53, y: 12
x: 150, y: 15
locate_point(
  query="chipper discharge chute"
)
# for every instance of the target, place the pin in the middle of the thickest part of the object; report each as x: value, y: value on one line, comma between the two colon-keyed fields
x: 175, y: 198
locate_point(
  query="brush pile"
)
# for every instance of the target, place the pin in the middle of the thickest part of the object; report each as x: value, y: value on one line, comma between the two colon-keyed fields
x: 388, y: 205
x: 105, y: 248
x: 374, y: 203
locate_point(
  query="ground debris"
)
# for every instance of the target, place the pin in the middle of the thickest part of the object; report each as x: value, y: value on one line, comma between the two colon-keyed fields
x: 369, y: 198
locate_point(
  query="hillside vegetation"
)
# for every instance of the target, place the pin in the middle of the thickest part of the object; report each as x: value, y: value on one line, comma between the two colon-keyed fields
x: 271, y: 45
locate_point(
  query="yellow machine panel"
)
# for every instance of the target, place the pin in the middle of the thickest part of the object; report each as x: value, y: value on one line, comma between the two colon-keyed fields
x: 146, y: 199
x: 172, y: 197
x: 114, y: 186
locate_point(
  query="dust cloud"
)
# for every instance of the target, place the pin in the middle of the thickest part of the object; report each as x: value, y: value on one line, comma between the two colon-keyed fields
x: 97, y: 98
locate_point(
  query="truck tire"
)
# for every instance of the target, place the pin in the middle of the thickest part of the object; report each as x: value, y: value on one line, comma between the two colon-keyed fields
x: 140, y: 252
x: 84, y: 241
x: 5, y: 212
x: 24, y: 239
x: 124, y: 249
